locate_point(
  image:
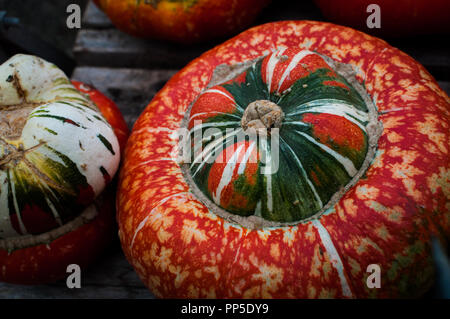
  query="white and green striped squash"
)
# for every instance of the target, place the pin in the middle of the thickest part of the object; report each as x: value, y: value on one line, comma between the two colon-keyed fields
x: 327, y: 129
x: 57, y: 152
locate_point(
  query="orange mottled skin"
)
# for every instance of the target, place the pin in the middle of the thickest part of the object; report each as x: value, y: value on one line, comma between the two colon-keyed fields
x: 48, y: 263
x: 184, y: 21
x: 180, y: 249
x: 331, y: 129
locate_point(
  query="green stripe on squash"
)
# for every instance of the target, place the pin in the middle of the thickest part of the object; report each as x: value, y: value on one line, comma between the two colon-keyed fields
x: 315, y: 162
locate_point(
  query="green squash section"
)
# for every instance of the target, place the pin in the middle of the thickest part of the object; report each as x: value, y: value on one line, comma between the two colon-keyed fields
x: 45, y: 191
x: 312, y: 164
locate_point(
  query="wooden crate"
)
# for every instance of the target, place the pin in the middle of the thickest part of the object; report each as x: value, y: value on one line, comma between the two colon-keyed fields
x: 130, y: 71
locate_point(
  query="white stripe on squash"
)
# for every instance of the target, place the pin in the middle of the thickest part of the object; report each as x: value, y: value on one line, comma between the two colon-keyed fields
x: 210, y: 149
x: 213, y: 112
x: 305, y: 176
x: 334, y: 256
x: 271, y: 64
x: 268, y: 163
x: 6, y: 228
x: 244, y: 161
x: 16, y: 208
x: 334, y: 107
x: 216, y: 91
x: 294, y: 62
x: 344, y: 161
x: 217, y: 124
x: 227, y: 174
x: 144, y: 221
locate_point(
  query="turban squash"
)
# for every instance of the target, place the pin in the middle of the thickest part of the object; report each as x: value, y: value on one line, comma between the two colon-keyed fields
x: 361, y: 178
x: 182, y: 21
x: 60, y: 148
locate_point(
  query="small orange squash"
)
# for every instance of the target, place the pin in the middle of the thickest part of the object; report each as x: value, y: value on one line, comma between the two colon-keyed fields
x: 183, y: 21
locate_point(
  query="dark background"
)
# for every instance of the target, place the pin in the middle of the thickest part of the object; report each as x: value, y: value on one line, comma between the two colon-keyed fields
x: 45, y: 19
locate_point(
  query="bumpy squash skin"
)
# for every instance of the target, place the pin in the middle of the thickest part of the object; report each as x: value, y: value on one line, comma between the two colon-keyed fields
x: 48, y: 263
x: 183, y: 21
x: 180, y: 249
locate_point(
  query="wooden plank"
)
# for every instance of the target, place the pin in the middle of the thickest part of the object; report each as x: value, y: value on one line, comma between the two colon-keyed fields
x: 94, y: 18
x: 131, y: 89
x: 113, y: 48
x: 110, y: 277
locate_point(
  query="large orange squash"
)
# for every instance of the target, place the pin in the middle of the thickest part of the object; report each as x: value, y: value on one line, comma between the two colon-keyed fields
x: 183, y: 21
x: 361, y: 176
x: 60, y: 148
